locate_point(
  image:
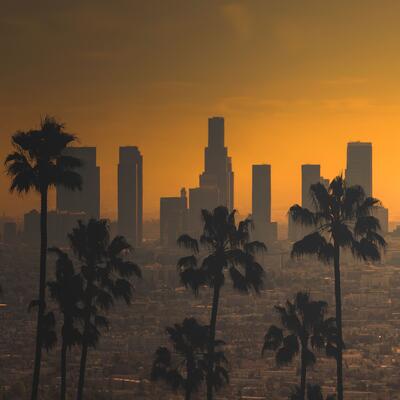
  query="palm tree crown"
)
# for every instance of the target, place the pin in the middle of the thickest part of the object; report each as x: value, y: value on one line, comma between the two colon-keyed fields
x: 229, y: 249
x: 343, y: 216
x: 38, y: 162
x: 188, y: 370
x: 303, y: 326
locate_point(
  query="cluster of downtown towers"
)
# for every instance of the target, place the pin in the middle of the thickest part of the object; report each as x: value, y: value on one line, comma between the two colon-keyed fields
x: 182, y: 213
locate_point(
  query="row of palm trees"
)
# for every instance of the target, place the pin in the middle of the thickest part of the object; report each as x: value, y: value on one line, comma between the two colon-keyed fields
x: 341, y: 219
x: 82, y: 297
x: 38, y: 163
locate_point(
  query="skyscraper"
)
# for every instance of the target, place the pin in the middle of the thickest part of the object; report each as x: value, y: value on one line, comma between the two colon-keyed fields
x: 264, y: 229
x: 217, y: 165
x: 173, y: 216
x: 130, y: 194
x: 86, y: 200
x: 359, y: 165
x: 261, y: 193
x: 216, y: 183
x: 310, y: 174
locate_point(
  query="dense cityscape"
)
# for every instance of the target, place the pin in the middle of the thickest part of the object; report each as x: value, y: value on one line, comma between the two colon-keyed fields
x: 120, y: 366
x: 199, y: 200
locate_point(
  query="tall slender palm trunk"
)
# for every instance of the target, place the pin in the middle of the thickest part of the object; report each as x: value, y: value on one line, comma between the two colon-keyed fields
x: 211, y: 343
x: 42, y: 292
x: 303, y: 374
x: 63, y: 369
x: 189, y: 377
x: 82, y: 371
x: 338, y: 299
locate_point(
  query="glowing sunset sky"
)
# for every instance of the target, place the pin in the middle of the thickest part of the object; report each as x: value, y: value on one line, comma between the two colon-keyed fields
x: 295, y: 81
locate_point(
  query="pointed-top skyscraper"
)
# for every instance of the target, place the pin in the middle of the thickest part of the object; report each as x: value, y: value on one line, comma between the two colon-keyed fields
x: 217, y: 165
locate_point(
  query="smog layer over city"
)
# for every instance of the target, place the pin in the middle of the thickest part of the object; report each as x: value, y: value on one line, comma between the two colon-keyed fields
x: 199, y: 200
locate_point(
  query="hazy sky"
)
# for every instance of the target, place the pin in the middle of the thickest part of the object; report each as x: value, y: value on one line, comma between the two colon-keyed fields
x: 295, y: 80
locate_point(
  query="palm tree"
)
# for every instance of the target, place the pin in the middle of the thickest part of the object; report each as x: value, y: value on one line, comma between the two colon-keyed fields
x: 304, y: 322
x: 37, y: 163
x: 342, y: 219
x: 189, y: 341
x: 228, y: 249
x: 106, y: 274
x: 67, y: 291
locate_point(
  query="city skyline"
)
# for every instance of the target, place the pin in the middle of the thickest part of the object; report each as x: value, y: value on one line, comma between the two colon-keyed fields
x: 277, y: 211
x: 279, y: 85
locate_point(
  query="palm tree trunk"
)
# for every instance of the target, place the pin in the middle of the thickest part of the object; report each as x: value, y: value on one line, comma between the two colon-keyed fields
x: 189, y: 377
x: 63, y: 369
x: 303, y: 372
x: 82, y: 368
x: 338, y: 299
x: 82, y: 371
x: 42, y: 292
x: 213, y: 323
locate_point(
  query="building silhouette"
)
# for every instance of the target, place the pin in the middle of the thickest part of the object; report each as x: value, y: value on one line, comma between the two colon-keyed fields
x: 130, y: 194
x: 217, y: 165
x: 310, y: 174
x: 206, y: 197
x: 173, y: 218
x: 264, y: 229
x: 216, y: 183
x: 359, y: 165
x: 87, y: 200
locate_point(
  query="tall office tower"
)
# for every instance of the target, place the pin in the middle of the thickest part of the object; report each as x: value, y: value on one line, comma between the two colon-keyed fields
x: 218, y: 166
x: 173, y: 216
x: 264, y: 229
x: 206, y: 197
x: 359, y: 165
x: 310, y: 174
x: 86, y: 200
x: 130, y: 194
x: 261, y: 193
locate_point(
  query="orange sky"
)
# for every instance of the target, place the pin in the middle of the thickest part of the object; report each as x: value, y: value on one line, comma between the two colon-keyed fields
x: 295, y: 81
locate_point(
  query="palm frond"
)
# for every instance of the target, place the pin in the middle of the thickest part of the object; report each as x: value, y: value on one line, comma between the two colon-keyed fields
x: 313, y: 244
x: 189, y: 243
x: 302, y: 216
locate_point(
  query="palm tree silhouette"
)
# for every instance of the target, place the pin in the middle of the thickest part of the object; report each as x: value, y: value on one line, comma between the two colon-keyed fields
x: 67, y: 291
x: 228, y: 250
x: 188, y: 371
x: 342, y: 219
x: 106, y: 274
x: 37, y: 163
x: 304, y: 322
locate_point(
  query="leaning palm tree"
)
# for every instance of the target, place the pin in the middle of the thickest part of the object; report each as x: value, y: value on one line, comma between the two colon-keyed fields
x: 37, y: 164
x: 342, y: 219
x: 187, y: 369
x: 304, y: 327
x: 227, y: 249
x: 67, y: 291
x: 106, y: 274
